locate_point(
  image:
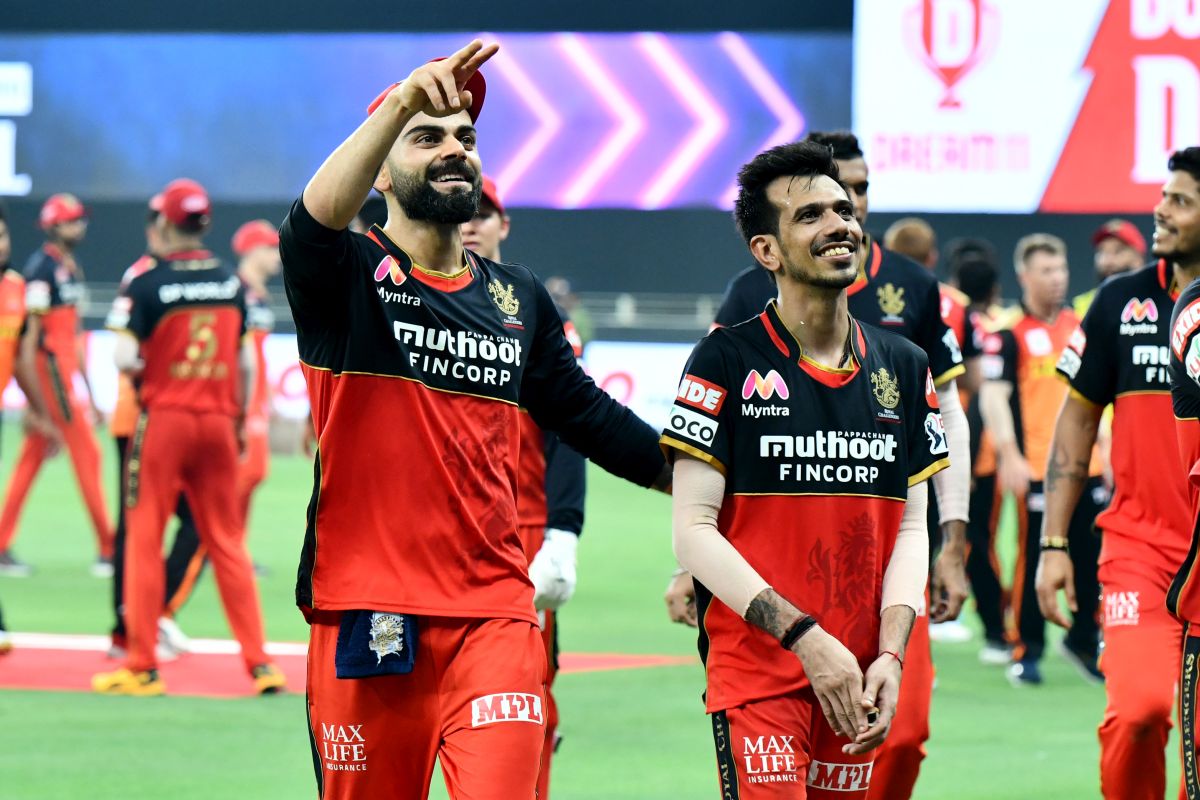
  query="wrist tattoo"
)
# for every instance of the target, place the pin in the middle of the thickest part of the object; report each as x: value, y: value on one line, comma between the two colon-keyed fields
x: 770, y: 612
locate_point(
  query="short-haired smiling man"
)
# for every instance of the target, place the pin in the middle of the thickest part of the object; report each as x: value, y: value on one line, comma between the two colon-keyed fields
x: 802, y: 441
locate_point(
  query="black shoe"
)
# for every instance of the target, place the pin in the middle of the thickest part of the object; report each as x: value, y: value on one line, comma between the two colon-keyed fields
x: 1084, y: 661
x: 1025, y: 673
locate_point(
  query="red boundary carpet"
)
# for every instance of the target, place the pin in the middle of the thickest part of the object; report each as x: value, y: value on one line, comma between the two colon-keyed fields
x: 50, y: 662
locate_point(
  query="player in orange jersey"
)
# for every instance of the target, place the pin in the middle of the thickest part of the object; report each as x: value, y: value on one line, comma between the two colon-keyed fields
x: 256, y: 244
x: 51, y: 345
x: 183, y: 327
x: 1019, y: 403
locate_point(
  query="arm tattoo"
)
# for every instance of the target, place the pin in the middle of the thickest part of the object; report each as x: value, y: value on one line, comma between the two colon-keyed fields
x: 1063, y: 467
x: 771, y: 612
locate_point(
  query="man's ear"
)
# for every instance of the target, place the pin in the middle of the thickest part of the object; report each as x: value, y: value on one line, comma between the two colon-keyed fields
x: 383, y: 181
x: 765, y: 249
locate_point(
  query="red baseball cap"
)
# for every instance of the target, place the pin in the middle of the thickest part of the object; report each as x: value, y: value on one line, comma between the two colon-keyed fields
x: 491, y: 195
x: 1122, y: 230
x: 255, y: 233
x: 60, y: 208
x: 180, y: 199
x: 476, y: 85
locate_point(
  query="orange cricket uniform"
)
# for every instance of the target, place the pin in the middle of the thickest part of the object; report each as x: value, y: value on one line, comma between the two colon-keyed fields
x: 53, y: 288
x: 188, y: 313
x: 12, y: 321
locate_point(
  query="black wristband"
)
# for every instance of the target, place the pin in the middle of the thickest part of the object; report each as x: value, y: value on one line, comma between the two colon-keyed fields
x: 801, y: 626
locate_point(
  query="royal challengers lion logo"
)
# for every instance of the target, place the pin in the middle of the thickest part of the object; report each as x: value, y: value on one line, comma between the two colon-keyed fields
x: 503, y: 297
x: 891, y: 300
x: 886, y: 388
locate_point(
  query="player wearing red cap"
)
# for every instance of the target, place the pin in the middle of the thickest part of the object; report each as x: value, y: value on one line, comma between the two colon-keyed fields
x: 1121, y: 355
x: 256, y: 244
x: 182, y: 332
x: 551, y: 484
x: 1118, y: 247
x: 51, y: 346
x: 419, y: 354
x: 186, y: 558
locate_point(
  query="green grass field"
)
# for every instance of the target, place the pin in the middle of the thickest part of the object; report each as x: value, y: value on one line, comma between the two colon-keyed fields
x: 628, y: 734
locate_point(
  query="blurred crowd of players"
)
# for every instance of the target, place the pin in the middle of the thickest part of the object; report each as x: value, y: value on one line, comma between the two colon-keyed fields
x: 1092, y: 520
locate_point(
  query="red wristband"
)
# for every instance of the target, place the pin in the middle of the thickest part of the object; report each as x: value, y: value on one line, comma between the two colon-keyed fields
x: 893, y: 655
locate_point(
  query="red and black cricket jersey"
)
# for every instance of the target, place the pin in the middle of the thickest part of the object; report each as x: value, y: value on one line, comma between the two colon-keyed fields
x: 260, y: 321
x: 1025, y: 354
x: 958, y: 318
x: 551, y: 476
x: 188, y: 311
x: 892, y: 292
x: 53, y: 290
x: 416, y: 382
x: 1183, y: 599
x: 817, y: 464
x: 1120, y: 354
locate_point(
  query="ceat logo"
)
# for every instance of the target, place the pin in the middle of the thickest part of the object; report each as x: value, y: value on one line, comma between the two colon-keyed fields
x: 511, y: 707
x: 766, y: 388
x: 699, y: 393
x: 951, y: 38
x: 388, y: 266
x: 1140, y: 311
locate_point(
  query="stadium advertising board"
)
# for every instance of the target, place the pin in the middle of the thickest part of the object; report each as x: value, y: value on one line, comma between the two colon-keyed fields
x: 1024, y: 105
x: 632, y: 120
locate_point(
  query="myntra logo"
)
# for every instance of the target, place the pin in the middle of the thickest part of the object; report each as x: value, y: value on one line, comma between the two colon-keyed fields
x: 766, y: 387
x: 1139, y: 311
x: 388, y: 266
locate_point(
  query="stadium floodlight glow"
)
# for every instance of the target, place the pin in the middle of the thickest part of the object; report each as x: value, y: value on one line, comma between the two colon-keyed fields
x: 549, y: 122
x: 630, y: 127
x: 791, y: 120
x: 711, y: 121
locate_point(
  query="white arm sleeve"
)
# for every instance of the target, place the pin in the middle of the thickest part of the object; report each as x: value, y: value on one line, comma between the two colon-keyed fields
x: 125, y: 353
x: 696, y: 498
x: 953, y: 484
x: 908, y: 570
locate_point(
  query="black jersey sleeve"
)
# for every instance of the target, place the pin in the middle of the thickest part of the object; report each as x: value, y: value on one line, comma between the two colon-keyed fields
x: 937, y: 339
x: 972, y: 343
x: 562, y: 398
x: 928, y: 451
x: 1185, y: 353
x: 566, y: 485
x: 1087, y: 360
x: 317, y: 264
x: 1000, y: 357
x: 746, y: 296
x: 701, y: 423
x: 143, y: 307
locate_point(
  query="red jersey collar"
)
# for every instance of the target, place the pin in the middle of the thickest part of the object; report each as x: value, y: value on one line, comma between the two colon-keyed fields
x: 1166, y: 279
x: 55, y: 252
x: 187, y: 255
x: 444, y: 283
x: 786, y: 344
x: 874, y: 259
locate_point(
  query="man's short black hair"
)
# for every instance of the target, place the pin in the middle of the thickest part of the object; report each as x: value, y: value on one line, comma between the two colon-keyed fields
x: 844, y: 144
x: 976, y: 278
x: 963, y: 248
x: 1187, y: 160
x: 754, y: 214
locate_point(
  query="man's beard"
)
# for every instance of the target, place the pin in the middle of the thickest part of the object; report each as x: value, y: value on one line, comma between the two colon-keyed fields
x: 421, y: 202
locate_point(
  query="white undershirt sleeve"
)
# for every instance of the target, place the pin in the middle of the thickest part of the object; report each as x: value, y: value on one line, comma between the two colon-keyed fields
x: 697, y: 494
x: 953, y: 484
x: 908, y: 570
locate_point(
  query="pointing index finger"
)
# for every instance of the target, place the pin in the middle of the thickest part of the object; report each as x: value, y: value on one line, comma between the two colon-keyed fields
x: 462, y: 56
x: 478, y: 58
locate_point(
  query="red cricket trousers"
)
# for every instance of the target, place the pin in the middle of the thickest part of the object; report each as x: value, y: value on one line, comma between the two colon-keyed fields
x: 254, y: 464
x: 474, y: 701
x: 196, y: 453
x: 71, y: 417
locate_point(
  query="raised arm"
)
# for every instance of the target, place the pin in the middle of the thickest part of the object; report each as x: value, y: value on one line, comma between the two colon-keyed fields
x: 338, y: 189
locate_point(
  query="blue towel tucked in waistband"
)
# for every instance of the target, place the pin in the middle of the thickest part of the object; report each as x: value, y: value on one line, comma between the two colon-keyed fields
x: 372, y: 643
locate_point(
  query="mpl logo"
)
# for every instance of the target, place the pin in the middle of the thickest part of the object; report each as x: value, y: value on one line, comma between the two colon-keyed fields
x: 509, y: 707
x: 951, y: 38
x: 1140, y: 311
x: 839, y: 777
x: 766, y: 388
x: 388, y: 267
